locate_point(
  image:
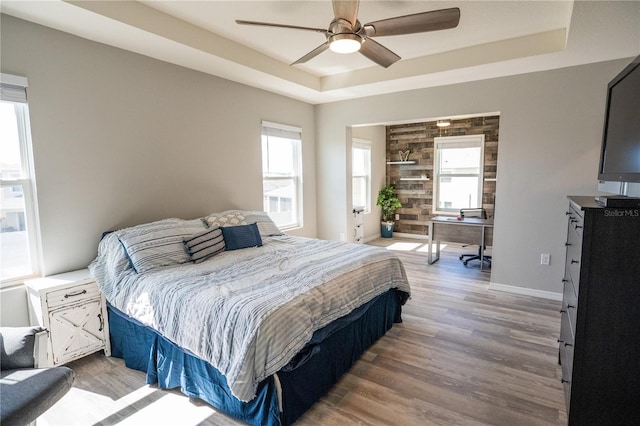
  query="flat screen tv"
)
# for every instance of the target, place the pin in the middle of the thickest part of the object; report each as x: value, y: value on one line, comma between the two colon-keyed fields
x: 620, y: 154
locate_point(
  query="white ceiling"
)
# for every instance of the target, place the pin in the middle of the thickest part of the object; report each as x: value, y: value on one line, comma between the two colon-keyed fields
x: 494, y: 38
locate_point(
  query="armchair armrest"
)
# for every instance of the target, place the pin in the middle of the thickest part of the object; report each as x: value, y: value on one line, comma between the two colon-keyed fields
x: 40, y: 350
x: 17, y: 345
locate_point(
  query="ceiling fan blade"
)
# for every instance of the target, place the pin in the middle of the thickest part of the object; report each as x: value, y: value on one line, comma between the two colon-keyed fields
x: 378, y: 53
x: 295, y: 27
x: 347, y: 10
x: 315, y: 52
x: 417, y: 23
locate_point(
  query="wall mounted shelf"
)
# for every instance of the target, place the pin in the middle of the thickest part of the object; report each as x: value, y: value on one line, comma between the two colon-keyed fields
x: 401, y: 162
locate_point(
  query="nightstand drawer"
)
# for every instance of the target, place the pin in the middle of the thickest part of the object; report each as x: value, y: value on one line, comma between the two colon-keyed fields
x: 69, y: 295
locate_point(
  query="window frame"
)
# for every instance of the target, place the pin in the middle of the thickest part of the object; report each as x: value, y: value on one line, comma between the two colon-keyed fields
x: 466, y: 141
x: 10, y: 85
x: 362, y: 144
x: 293, y: 133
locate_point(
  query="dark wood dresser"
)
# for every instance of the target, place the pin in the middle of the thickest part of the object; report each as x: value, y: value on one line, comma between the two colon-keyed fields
x: 600, y: 328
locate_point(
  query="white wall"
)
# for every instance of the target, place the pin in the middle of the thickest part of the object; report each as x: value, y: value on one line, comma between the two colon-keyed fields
x: 550, y: 131
x: 377, y: 135
x: 121, y: 139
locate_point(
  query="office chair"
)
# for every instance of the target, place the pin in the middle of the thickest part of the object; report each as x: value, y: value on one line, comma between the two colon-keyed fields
x: 482, y: 214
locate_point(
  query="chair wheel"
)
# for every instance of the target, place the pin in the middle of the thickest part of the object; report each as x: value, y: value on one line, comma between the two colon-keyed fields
x: 461, y: 257
x: 465, y: 263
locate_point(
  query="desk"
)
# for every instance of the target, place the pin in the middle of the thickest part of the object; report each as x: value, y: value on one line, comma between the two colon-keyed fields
x: 469, y: 230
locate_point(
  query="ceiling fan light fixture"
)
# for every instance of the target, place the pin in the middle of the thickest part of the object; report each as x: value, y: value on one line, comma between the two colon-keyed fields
x: 345, y: 43
x: 443, y: 123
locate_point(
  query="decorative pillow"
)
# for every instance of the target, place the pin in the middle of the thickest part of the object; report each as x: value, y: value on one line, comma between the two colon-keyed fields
x: 16, y: 347
x: 243, y: 217
x: 205, y: 244
x: 155, y: 247
x: 227, y: 218
x: 242, y: 236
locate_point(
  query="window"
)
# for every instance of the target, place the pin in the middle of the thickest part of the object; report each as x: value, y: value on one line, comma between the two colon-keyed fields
x: 282, y: 174
x: 458, y: 173
x: 361, y: 174
x: 18, y: 233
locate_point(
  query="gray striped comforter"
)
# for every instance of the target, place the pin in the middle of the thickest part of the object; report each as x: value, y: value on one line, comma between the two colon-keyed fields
x: 248, y: 312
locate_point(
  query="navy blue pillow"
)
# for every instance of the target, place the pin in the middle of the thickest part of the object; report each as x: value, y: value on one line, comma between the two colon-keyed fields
x: 242, y: 236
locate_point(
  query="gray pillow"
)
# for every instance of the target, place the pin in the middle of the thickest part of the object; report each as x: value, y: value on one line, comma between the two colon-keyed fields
x: 265, y: 224
x: 16, y: 347
x: 158, y: 247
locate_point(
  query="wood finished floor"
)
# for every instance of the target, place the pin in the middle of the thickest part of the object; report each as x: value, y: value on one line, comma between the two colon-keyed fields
x: 464, y: 355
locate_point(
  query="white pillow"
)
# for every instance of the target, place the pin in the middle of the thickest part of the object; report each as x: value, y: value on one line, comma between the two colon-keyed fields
x: 244, y: 217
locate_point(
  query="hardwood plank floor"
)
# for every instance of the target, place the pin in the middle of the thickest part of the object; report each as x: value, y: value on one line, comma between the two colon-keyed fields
x: 464, y: 355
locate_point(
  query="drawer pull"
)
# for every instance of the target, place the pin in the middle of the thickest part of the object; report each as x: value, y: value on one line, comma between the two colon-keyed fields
x: 77, y: 293
x: 101, y: 322
x: 567, y: 213
x: 567, y: 344
x: 578, y: 226
x: 567, y: 244
x: 565, y: 381
x: 574, y: 261
x: 562, y: 311
x: 564, y: 280
x: 570, y: 307
x: 560, y: 341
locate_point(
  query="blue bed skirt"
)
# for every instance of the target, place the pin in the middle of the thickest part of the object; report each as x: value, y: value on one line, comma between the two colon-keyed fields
x: 332, y: 351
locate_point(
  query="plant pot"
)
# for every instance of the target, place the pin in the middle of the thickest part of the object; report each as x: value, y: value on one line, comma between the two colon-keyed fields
x: 386, y: 229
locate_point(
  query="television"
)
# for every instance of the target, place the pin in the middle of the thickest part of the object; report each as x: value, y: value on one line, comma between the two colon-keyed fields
x: 620, y: 153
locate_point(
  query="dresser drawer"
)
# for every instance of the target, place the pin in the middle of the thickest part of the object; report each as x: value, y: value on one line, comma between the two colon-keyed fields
x: 566, y: 347
x: 73, y: 294
x: 570, y: 303
x: 576, y: 222
x: 574, y: 258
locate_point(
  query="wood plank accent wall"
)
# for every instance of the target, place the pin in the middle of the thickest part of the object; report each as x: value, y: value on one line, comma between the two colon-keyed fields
x: 416, y: 196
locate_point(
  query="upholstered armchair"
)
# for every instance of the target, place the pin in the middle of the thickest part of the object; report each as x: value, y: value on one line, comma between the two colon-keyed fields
x: 26, y: 391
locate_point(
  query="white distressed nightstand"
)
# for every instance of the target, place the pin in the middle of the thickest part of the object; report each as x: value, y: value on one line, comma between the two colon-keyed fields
x: 73, y: 309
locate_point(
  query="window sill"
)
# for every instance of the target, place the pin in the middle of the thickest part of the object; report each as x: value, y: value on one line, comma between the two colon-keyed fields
x: 15, y: 282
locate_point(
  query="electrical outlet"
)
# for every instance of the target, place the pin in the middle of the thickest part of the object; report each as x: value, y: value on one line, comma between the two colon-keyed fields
x: 397, y: 217
x: 545, y: 259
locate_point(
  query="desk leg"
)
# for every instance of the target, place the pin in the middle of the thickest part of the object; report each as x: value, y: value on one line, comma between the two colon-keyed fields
x: 430, y: 258
x: 482, y: 249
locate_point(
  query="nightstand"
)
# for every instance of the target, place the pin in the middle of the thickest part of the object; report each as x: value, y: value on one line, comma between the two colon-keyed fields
x: 358, y: 229
x: 72, y: 308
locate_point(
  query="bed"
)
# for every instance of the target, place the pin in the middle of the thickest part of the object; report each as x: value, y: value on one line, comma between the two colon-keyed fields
x: 257, y: 323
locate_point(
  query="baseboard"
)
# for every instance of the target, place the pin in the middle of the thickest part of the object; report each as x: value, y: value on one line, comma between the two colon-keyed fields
x: 371, y: 238
x: 414, y: 236
x: 550, y: 295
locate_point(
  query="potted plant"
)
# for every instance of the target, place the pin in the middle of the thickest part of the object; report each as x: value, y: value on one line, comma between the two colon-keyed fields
x: 389, y: 204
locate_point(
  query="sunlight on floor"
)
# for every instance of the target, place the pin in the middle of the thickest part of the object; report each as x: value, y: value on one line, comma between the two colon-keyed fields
x: 171, y: 409
x: 405, y: 246
x: 81, y: 407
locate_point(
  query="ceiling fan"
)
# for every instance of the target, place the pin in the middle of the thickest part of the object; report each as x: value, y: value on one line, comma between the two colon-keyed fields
x: 347, y: 35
